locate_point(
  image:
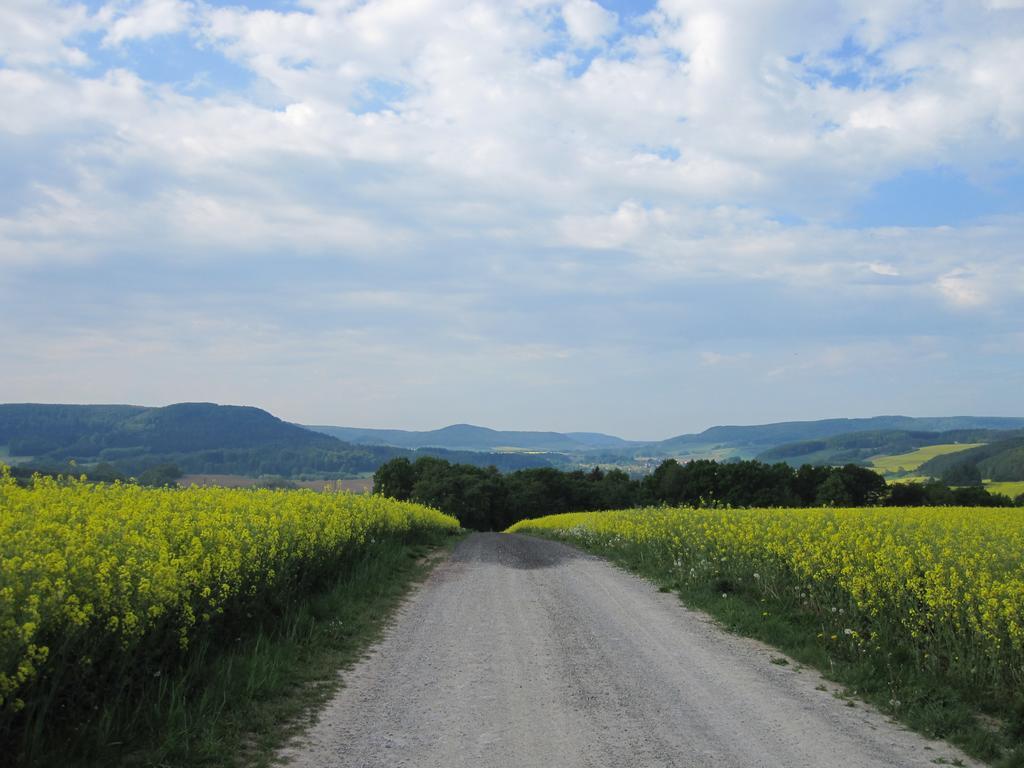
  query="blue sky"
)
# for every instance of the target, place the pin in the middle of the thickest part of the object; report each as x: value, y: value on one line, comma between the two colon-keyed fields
x: 641, y: 218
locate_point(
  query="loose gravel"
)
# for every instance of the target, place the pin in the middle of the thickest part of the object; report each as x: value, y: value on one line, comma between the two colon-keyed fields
x: 524, y: 653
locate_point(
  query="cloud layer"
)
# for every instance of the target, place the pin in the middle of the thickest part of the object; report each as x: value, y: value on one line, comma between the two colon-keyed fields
x: 409, y: 212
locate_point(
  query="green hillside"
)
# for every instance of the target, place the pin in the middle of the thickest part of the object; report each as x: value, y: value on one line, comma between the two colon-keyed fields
x: 1011, y: 489
x: 468, y: 437
x: 36, y: 430
x: 876, y: 448
x: 909, y: 462
x: 760, y: 441
x: 826, y: 441
x: 198, y: 438
x: 217, y: 439
x: 1000, y: 460
x: 770, y: 435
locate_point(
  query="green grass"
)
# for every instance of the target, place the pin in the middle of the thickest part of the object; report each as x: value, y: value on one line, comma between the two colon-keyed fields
x: 1011, y: 489
x: 924, y: 700
x: 238, y: 706
x: 908, y: 462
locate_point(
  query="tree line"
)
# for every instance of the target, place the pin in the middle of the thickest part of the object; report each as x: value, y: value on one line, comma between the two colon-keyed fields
x: 482, y: 498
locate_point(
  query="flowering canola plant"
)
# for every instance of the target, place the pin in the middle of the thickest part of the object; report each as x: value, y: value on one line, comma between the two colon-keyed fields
x: 943, y: 585
x: 93, y: 573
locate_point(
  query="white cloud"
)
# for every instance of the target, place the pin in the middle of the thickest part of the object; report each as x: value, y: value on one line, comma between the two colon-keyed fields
x: 144, y: 20
x: 629, y: 222
x: 37, y: 33
x: 845, y: 358
x: 962, y: 288
x: 587, y: 21
x: 712, y: 359
x: 883, y: 269
x: 413, y: 148
x: 477, y: 102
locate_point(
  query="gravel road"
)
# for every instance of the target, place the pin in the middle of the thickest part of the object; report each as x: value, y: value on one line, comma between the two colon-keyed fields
x: 523, y: 653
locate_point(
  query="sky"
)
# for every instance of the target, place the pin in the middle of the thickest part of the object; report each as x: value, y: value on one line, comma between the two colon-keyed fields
x: 636, y: 217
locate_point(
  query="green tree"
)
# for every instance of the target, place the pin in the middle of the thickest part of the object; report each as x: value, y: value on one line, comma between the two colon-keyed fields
x: 964, y: 473
x: 833, y: 492
x: 907, y: 495
x: 105, y: 473
x: 160, y: 475
x: 667, y: 484
x: 864, y: 486
x: 395, y: 478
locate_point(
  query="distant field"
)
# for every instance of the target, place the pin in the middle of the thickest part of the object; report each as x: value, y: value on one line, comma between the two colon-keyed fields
x: 1011, y: 489
x: 356, y: 485
x: 514, y: 449
x: 888, y: 465
x: 713, y: 451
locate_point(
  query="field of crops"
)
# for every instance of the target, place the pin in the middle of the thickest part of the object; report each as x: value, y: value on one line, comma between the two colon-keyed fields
x: 936, y: 589
x: 102, y: 583
x: 1007, y: 488
x: 910, y: 461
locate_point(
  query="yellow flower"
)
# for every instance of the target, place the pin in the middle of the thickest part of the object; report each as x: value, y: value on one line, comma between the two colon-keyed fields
x: 82, y: 562
x: 941, y: 579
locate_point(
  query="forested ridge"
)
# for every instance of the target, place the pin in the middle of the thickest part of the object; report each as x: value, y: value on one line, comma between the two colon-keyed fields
x: 197, y: 438
x: 999, y: 460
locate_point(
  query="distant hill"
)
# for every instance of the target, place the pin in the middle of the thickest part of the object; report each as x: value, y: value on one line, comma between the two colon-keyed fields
x: 751, y: 441
x: 857, y: 447
x: 1000, y: 460
x: 32, y: 430
x: 219, y: 439
x: 793, y: 441
x: 198, y: 437
x: 467, y: 437
x: 796, y: 431
x: 91, y: 430
x: 601, y: 440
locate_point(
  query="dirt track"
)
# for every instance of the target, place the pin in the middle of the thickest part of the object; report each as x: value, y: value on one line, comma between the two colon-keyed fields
x: 522, y: 653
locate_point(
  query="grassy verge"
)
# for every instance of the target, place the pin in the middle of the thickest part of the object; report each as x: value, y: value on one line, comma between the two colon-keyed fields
x: 924, y: 700
x: 236, y: 706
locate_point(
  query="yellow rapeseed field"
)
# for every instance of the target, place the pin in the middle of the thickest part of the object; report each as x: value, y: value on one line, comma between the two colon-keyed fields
x: 944, y: 584
x: 91, y: 573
